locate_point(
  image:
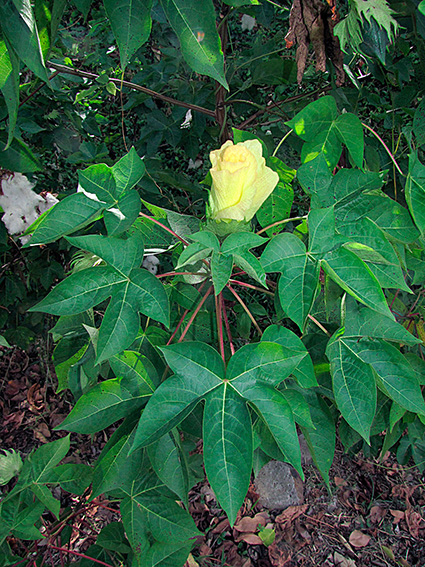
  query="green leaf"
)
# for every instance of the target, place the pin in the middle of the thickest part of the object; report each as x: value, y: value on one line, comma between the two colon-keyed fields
x: 277, y: 413
x: 105, y: 404
x: 221, y: 270
x: 228, y: 448
x: 304, y: 371
x: 376, y: 251
x: 314, y: 118
x: 268, y: 362
x: 69, y: 215
x: 41, y: 461
x: 195, y: 26
x: 131, y: 23
x: 130, y: 364
x: 321, y: 441
x: 354, y: 387
x: 168, y: 554
x: 198, y: 369
x: 415, y: 190
x: 350, y: 132
x: 132, y: 289
x: 19, y: 27
x: 122, y: 255
x: 300, y: 275
x: 10, y: 465
x: 5, y: 62
x: 349, y: 272
x: 165, y: 519
x: 276, y: 207
x: 18, y: 157
x: 118, y: 219
x: 98, y: 183
x: 10, y: 90
x: 112, y: 537
x: 128, y: 171
x: 395, y: 374
x: 170, y: 464
x: 316, y: 180
x: 45, y: 496
x: 116, y: 468
x: 419, y: 117
x: 361, y: 321
x: 48, y: 14
x: 72, y: 477
x: 321, y: 229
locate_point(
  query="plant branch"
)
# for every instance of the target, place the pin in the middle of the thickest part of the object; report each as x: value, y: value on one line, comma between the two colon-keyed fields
x: 81, y: 555
x: 119, y: 83
x: 387, y: 149
x: 194, y: 314
x: 165, y: 228
x: 218, y: 311
x: 245, y: 307
x: 280, y: 222
x: 316, y: 322
x: 227, y: 326
x: 250, y: 286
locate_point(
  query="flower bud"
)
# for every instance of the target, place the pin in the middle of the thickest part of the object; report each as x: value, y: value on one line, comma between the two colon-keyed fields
x: 241, y: 181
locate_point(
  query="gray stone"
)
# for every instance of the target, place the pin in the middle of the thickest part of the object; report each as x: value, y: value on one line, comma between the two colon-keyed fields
x: 279, y: 486
x: 306, y: 458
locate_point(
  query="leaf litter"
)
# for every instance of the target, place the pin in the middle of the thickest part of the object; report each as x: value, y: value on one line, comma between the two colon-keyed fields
x: 374, y: 515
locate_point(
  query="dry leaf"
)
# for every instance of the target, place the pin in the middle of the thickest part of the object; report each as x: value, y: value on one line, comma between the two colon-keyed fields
x: 290, y: 514
x: 397, y: 515
x: 414, y: 521
x: 250, y: 538
x: 248, y: 524
x: 339, y: 481
x: 190, y: 562
x: 341, y: 561
x: 358, y: 539
x: 377, y: 514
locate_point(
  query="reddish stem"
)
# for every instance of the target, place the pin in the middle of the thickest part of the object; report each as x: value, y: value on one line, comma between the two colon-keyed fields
x: 194, y: 314
x: 227, y: 326
x: 244, y: 284
x: 178, y: 274
x: 245, y: 307
x: 218, y: 311
x: 165, y: 228
x: 81, y: 555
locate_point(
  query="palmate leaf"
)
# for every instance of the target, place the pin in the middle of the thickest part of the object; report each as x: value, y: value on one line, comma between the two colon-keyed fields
x: 148, y: 509
x: 131, y: 23
x: 101, y: 190
x: 252, y: 376
x: 324, y: 132
x: 415, y: 190
x: 299, y: 275
x: 195, y: 26
x: 132, y: 290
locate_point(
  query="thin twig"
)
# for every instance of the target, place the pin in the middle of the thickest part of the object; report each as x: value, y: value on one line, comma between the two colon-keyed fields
x: 218, y: 311
x: 227, y: 326
x: 165, y: 228
x: 194, y: 314
x: 119, y: 82
x: 316, y: 322
x: 81, y: 555
x: 244, y: 306
x: 280, y: 222
x: 250, y: 286
x: 387, y: 149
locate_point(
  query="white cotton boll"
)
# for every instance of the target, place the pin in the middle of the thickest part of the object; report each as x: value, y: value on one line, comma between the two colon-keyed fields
x: 187, y: 120
x: 194, y: 164
x: 247, y: 23
x: 20, y: 204
x: 151, y: 263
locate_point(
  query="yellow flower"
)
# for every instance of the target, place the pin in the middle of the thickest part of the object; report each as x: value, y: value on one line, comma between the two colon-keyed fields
x: 241, y: 181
